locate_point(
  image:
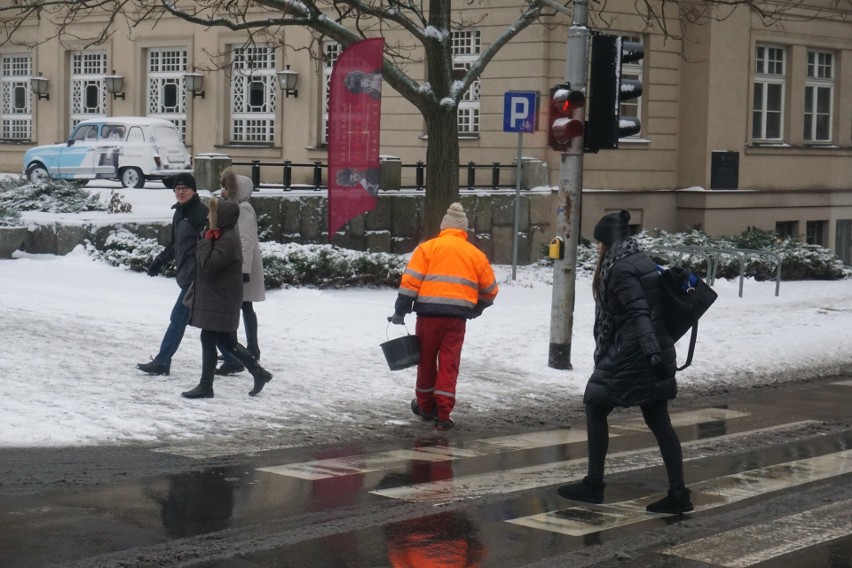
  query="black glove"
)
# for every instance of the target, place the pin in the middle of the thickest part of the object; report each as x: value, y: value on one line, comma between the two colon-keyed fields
x: 657, y: 365
x: 246, y: 277
x: 397, y: 319
x: 154, y: 267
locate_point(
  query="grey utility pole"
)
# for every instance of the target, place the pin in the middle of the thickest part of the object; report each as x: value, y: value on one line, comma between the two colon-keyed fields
x: 570, y: 200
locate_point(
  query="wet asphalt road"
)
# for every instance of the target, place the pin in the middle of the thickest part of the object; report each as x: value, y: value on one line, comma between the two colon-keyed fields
x: 771, y: 466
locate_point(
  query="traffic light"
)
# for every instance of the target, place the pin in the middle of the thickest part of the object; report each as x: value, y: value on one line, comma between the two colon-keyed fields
x: 567, y: 116
x: 607, y: 90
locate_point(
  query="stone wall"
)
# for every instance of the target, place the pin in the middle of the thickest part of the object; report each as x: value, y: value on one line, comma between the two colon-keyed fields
x: 395, y: 225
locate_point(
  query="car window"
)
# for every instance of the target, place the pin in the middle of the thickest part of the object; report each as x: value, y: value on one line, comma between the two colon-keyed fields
x: 88, y: 132
x: 135, y: 134
x: 112, y: 132
x: 166, y: 134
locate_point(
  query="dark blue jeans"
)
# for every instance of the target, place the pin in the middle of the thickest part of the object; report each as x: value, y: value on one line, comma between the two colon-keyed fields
x: 174, y: 333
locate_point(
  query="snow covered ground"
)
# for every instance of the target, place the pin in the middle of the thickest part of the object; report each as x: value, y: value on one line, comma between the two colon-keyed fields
x: 73, y: 330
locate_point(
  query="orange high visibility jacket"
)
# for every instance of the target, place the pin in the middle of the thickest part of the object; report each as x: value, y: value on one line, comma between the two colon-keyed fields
x: 447, y: 276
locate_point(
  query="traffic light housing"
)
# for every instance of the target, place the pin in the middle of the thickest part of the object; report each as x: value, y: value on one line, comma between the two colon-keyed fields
x: 567, y: 116
x: 607, y: 90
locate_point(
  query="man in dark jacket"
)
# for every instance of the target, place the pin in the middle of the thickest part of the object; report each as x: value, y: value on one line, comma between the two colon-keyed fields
x: 188, y: 222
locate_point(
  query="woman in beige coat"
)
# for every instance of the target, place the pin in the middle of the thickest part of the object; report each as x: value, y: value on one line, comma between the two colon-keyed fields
x: 239, y: 189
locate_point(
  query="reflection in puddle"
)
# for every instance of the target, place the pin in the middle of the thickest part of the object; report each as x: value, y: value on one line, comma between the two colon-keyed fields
x: 448, y: 540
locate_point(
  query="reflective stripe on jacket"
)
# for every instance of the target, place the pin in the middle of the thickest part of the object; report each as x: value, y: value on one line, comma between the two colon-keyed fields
x: 447, y: 276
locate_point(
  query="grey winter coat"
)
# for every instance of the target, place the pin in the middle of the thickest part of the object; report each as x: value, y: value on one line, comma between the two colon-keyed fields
x: 253, y: 290
x: 218, y: 288
x: 623, y: 375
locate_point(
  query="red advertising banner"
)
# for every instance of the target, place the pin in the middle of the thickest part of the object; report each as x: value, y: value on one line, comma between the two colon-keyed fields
x: 354, y: 125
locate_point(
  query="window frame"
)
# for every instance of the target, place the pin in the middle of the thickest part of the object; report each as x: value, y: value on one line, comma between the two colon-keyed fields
x: 16, y: 120
x: 765, y: 80
x: 816, y: 83
x: 171, y: 65
x: 331, y: 50
x: 634, y: 70
x: 466, y: 49
x: 248, y: 126
x: 95, y: 77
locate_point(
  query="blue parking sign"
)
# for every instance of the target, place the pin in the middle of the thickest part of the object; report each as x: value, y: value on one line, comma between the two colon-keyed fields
x: 519, y: 111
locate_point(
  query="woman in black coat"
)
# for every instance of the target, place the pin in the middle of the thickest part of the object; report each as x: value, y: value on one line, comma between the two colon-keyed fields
x: 217, y: 297
x: 635, y: 361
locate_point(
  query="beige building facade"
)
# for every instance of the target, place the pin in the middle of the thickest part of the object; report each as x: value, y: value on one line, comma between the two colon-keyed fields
x: 743, y: 125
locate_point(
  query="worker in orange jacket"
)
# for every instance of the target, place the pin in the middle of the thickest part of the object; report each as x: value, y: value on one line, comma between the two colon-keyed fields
x: 447, y: 281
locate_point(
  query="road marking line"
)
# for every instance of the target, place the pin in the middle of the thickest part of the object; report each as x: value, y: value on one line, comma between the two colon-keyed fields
x: 586, y: 519
x: 378, y: 461
x: 770, y: 539
x: 532, y: 477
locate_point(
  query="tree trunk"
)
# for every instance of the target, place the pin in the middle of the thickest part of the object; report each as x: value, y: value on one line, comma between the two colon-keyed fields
x: 442, y: 167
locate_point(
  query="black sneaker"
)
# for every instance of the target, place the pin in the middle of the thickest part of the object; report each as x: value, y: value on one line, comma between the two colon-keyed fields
x: 153, y: 368
x: 588, y: 491
x: 444, y: 425
x: 230, y: 368
x: 424, y: 416
x: 675, y: 502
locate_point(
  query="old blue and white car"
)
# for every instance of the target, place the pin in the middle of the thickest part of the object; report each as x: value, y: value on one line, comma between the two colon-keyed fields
x: 131, y: 150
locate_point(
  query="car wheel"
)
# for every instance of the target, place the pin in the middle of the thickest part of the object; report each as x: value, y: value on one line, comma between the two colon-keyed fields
x: 132, y: 177
x: 37, y: 171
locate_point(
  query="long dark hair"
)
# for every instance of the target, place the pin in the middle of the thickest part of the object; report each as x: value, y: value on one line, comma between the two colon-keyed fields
x: 596, y: 279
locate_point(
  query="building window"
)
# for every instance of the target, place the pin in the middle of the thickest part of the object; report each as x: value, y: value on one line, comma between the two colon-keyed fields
x: 466, y: 48
x: 768, y: 109
x: 787, y: 229
x: 819, y: 88
x: 330, y: 52
x: 815, y: 232
x: 166, y: 88
x: 253, y: 94
x: 16, y: 111
x: 632, y: 108
x: 843, y: 240
x: 88, y: 92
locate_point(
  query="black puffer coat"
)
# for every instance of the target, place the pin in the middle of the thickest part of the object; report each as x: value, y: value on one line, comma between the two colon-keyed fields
x: 218, y: 290
x: 623, y: 375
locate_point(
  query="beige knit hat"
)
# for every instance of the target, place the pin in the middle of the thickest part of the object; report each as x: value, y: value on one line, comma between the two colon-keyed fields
x: 455, y: 218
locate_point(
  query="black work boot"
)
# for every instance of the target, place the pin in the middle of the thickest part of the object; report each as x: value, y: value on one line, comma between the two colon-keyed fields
x: 250, y: 322
x: 261, y: 376
x: 588, y: 490
x: 676, y: 502
x: 424, y: 416
x: 204, y: 389
x: 153, y: 368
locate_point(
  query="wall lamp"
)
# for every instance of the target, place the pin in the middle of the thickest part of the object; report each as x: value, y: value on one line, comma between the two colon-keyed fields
x: 287, y: 80
x: 194, y: 83
x: 39, y: 87
x: 114, y: 84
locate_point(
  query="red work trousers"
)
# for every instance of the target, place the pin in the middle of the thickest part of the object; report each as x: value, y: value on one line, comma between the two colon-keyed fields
x: 441, y: 342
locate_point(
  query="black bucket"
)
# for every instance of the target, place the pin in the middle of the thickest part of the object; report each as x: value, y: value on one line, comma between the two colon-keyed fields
x: 402, y: 352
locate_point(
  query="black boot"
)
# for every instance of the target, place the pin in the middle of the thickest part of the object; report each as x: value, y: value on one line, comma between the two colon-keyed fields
x: 230, y: 368
x: 676, y: 502
x: 153, y: 368
x: 261, y: 376
x: 588, y: 490
x: 250, y: 323
x: 203, y: 390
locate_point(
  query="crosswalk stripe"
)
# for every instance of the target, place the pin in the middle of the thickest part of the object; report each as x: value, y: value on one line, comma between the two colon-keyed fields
x: 378, y: 461
x: 586, y: 519
x: 531, y: 477
x: 769, y: 539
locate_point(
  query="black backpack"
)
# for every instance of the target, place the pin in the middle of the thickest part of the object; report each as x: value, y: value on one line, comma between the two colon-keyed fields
x: 685, y: 298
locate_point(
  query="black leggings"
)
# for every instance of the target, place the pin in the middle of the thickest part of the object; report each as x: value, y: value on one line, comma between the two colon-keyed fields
x: 656, y: 416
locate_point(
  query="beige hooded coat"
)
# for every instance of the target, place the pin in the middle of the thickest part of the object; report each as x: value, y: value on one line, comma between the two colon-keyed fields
x: 239, y: 189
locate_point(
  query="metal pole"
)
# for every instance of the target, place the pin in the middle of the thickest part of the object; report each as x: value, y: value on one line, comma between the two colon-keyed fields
x: 517, y: 212
x: 570, y: 202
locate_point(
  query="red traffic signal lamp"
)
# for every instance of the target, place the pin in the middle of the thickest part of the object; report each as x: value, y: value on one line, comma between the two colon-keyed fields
x: 567, y: 116
x: 607, y: 90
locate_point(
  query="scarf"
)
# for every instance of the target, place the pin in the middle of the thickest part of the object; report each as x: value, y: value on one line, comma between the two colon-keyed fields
x: 604, y: 328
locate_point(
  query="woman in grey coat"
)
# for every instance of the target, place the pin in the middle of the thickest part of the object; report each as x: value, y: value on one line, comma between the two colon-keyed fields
x: 217, y: 296
x: 239, y: 189
x: 635, y: 361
